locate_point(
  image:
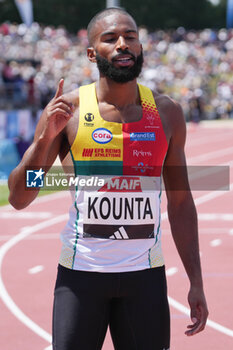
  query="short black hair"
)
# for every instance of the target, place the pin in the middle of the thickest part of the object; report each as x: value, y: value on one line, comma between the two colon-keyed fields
x: 102, y: 14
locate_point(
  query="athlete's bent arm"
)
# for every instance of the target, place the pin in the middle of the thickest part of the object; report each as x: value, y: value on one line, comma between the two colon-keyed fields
x: 183, y: 219
x: 44, y: 149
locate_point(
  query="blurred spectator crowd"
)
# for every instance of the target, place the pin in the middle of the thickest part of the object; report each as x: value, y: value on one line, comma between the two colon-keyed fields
x: 195, y: 68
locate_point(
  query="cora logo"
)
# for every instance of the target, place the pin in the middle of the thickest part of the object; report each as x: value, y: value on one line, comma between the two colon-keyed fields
x: 102, y: 135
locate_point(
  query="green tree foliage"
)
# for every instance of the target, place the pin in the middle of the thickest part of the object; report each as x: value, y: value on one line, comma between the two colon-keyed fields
x: 75, y: 14
x: 8, y: 11
x: 191, y: 14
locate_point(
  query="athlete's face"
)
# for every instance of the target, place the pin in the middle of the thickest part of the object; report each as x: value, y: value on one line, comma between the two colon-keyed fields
x: 116, y: 48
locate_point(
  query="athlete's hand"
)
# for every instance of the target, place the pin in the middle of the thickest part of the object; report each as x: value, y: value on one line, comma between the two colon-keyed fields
x: 58, y: 113
x: 199, y: 311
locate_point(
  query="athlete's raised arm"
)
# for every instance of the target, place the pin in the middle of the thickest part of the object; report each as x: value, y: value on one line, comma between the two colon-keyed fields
x: 44, y: 149
x: 183, y: 217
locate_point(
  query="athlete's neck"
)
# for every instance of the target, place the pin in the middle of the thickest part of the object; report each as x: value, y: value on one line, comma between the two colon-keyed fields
x: 116, y: 94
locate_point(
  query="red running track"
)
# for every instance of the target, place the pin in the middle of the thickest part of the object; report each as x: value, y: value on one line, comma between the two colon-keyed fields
x: 30, y: 248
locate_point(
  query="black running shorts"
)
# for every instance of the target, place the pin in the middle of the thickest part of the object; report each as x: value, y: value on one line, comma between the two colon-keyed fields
x: 133, y: 304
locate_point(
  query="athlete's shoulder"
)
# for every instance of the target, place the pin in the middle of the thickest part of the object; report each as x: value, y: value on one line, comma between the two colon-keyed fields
x: 168, y: 107
x: 165, y: 102
x: 171, y: 115
x: 72, y: 97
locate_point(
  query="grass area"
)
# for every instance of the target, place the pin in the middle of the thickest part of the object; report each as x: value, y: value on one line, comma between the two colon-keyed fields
x: 56, y: 171
x: 4, y: 193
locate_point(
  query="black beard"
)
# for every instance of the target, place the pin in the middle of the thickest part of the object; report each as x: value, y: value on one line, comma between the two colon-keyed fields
x: 122, y: 74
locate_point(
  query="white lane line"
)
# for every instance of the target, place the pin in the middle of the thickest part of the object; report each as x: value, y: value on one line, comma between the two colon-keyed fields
x: 35, y: 269
x: 6, y: 298
x: 50, y: 347
x: 207, y: 197
x: 23, y: 228
x: 216, y: 243
x: 214, y: 231
x: 209, y: 323
x: 215, y: 216
x: 231, y: 232
x: 202, y: 199
x: 42, y: 199
x: 209, y: 176
x: 211, y: 155
x: 39, y: 236
x: 53, y: 196
x: 202, y: 140
x: 171, y: 271
x: 25, y: 215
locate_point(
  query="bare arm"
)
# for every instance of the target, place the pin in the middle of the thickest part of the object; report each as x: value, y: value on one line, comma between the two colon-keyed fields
x: 183, y: 219
x: 44, y: 149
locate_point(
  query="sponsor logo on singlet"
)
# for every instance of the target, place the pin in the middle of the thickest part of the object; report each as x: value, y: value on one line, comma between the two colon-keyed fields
x: 140, y: 153
x: 89, y: 117
x: 142, y: 168
x: 87, y: 152
x: 142, y: 136
x: 101, y: 152
x: 150, y: 118
x: 102, y: 135
x: 122, y: 184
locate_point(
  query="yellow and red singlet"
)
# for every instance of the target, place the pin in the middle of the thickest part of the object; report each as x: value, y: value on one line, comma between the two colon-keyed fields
x: 114, y: 225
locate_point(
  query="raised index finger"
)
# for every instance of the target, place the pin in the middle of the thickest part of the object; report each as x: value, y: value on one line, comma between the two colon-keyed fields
x: 59, y: 91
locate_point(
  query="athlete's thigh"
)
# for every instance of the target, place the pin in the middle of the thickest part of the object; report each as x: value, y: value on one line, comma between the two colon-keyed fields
x: 80, y: 313
x: 141, y: 319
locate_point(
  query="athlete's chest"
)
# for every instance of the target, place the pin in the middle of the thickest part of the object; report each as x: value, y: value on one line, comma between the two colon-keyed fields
x: 135, y: 148
x: 111, y: 141
x: 128, y: 114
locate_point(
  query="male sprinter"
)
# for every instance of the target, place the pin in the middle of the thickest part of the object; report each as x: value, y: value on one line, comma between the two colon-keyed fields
x: 111, y: 270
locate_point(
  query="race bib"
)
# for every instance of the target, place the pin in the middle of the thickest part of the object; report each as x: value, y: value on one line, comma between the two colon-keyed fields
x: 121, y: 209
